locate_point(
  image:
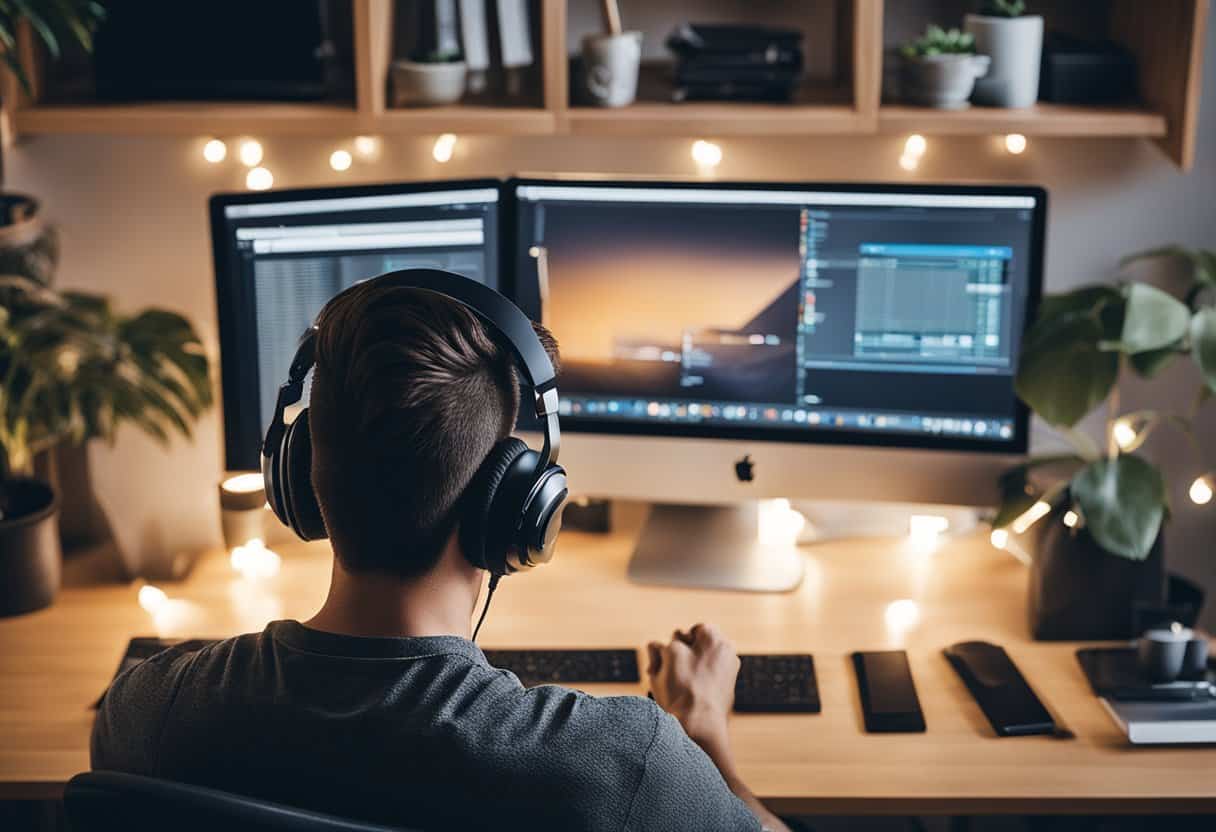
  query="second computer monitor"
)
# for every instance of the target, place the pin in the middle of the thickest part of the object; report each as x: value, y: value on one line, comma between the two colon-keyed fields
x: 780, y: 320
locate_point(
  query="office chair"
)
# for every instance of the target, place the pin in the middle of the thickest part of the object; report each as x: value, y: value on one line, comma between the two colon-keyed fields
x: 97, y: 801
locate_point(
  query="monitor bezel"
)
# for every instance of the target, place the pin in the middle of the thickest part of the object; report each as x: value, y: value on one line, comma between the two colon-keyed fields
x: 802, y: 435
x: 235, y: 312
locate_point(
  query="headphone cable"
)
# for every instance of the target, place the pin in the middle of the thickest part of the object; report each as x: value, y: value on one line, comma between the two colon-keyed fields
x: 489, y: 597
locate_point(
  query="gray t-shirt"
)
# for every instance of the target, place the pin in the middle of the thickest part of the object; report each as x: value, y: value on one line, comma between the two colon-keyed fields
x: 409, y: 731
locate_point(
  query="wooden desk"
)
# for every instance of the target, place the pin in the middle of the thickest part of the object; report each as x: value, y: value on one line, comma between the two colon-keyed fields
x: 55, y: 662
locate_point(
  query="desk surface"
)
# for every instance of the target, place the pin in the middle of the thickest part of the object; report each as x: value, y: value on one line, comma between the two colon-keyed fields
x: 55, y: 662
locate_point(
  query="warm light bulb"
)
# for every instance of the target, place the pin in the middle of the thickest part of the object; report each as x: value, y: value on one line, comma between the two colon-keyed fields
x: 909, y: 163
x: 999, y: 538
x: 152, y: 598
x: 1015, y: 143
x: 1030, y: 516
x: 1201, y: 491
x: 215, y: 151
x: 902, y: 615
x: 445, y: 146
x: 340, y: 160
x: 1071, y: 519
x: 251, y: 153
x: 1125, y: 434
x: 243, y: 483
x: 254, y: 560
x: 925, y: 528
x: 367, y: 146
x: 915, y: 146
x: 259, y: 179
x: 706, y: 154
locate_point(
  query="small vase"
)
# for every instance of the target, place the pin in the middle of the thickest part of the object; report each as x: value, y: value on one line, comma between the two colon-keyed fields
x: 941, y: 81
x: 610, y: 68
x: 427, y: 84
x: 30, y: 555
x: 1015, y: 45
x: 1081, y: 592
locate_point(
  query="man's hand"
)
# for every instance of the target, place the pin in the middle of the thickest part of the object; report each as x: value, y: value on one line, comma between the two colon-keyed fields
x: 693, y: 678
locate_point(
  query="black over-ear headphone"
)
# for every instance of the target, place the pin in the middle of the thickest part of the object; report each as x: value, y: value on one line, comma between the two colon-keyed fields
x: 511, y: 512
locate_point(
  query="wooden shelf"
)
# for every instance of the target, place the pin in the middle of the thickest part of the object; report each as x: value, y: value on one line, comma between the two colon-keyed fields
x: 1167, y: 40
x: 818, y: 108
x: 1040, y: 120
x: 193, y: 118
x: 501, y: 121
x: 712, y: 119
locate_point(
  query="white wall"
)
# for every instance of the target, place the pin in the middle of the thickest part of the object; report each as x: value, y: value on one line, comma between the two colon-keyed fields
x: 134, y: 225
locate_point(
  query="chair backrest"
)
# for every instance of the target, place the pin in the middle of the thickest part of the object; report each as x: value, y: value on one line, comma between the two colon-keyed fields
x: 106, y: 800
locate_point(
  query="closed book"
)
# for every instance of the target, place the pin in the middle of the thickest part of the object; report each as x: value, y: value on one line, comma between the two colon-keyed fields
x: 1164, y: 723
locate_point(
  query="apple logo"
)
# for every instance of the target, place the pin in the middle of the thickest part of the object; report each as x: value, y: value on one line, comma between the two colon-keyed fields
x: 745, y: 469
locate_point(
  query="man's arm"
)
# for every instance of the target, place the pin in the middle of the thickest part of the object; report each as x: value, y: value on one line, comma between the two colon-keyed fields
x: 693, y: 678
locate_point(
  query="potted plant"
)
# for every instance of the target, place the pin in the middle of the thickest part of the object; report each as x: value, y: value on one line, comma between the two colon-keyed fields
x: 940, y: 67
x: 72, y: 369
x: 1099, y: 548
x: 429, y: 79
x: 1014, y: 41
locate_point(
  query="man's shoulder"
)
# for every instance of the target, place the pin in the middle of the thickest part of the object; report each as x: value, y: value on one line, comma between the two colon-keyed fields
x: 133, y: 710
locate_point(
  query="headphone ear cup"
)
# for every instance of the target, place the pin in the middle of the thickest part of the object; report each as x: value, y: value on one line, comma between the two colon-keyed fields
x: 482, y: 545
x: 299, y: 498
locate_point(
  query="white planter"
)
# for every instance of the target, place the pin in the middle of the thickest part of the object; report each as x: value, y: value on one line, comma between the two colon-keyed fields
x: 610, y: 68
x: 416, y: 84
x: 1015, y: 45
x: 941, y: 81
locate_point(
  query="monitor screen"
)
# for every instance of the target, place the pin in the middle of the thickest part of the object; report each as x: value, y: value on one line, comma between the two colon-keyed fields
x: 882, y: 315
x: 280, y: 256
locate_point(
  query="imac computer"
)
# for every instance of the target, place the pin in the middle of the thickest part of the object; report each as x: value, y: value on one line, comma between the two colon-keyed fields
x: 279, y: 256
x: 723, y: 343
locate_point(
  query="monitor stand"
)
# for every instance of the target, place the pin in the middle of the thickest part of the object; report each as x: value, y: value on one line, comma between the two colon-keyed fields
x: 713, y: 547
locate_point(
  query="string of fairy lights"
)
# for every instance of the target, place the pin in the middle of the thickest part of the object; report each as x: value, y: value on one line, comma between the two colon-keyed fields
x: 706, y: 155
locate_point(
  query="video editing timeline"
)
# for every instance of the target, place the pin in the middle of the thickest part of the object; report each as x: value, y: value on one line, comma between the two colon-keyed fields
x: 857, y: 311
x: 297, y: 254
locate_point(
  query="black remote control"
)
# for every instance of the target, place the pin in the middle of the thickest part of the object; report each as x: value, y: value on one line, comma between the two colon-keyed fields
x: 888, y: 694
x: 1000, y: 689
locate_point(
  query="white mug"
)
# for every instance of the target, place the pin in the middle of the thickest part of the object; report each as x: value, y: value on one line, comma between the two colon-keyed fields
x: 610, y: 68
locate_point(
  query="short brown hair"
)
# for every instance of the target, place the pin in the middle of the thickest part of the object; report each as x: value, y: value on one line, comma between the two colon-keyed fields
x: 409, y: 394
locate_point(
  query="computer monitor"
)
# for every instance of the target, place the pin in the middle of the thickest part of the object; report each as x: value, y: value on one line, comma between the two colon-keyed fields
x: 279, y: 256
x: 727, y: 342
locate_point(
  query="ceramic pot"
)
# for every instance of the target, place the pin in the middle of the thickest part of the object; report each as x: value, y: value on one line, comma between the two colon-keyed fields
x: 610, y: 68
x: 422, y: 85
x: 1081, y: 592
x: 30, y: 555
x: 1015, y: 45
x: 941, y: 81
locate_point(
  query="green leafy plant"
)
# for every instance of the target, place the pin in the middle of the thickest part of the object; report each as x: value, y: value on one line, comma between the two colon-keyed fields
x: 1003, y: 8
x: 1072, y: 358
x: 939, y: 41
x: 72, y: 369
x: 437, y: 56
x: 54, y: 22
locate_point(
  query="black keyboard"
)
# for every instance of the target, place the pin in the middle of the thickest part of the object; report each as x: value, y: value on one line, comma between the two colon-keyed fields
x: 545, y: 667
x: 777, y: 684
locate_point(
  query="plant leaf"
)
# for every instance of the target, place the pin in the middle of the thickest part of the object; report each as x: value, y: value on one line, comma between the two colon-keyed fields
x: 1147, y: 364
x: 1203, y: 343
x: 1063, y: 374
x: 1154, y: 319
x: 1123, y: 500
x: 1103, y: 303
